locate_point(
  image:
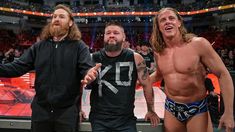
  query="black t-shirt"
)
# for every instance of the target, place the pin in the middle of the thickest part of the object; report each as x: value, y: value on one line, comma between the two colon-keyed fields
x: 114, y: 93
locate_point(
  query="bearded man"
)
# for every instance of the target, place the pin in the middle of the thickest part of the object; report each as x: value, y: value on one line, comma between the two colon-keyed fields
x: 60, y: 61
x: 113, y: 92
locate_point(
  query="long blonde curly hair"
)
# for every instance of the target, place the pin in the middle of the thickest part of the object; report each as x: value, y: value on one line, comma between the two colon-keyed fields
x: 156, y: 38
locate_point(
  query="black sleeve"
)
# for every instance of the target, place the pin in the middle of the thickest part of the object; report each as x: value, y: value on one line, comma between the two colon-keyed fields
x: 84, y: 59
x: 209, y: 85
x: 19, y: 66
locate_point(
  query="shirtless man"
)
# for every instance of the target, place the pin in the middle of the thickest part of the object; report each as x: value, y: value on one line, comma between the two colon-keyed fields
x: 181, y: 60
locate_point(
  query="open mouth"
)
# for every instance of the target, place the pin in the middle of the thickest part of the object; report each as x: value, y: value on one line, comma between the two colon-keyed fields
x: 168, y: 28
x: 56, y: 24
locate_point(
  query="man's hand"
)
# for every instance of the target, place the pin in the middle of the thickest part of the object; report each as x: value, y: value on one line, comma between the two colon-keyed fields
x: 212, y: 93
x: 82, y: 116
x: 227, y: 122
x: 153, y: 117
x: 91, y: 75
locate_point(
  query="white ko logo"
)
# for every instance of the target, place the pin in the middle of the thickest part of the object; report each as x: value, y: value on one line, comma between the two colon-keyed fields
x: 118, y: 81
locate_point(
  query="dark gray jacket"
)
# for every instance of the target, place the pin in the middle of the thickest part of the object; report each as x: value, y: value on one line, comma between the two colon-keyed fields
x: 59, y: 68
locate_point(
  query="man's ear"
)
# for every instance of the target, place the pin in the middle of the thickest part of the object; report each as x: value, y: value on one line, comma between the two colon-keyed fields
x: 124, y: 37
x: 179, y: 25
x: 70, y: 23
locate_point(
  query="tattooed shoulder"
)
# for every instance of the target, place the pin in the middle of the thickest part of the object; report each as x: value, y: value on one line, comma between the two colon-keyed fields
x: 142, y: 68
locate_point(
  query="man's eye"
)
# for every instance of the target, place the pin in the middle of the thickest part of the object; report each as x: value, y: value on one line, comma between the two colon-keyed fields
x: 162, y: 20
x: 62, y: 16
x: 172, y: 18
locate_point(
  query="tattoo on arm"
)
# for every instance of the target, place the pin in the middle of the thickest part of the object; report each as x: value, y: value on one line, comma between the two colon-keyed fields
x: 141, y: 67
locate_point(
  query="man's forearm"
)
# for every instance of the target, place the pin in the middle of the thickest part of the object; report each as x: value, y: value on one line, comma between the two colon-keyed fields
x: 149, y: 97
x: 227, y: 89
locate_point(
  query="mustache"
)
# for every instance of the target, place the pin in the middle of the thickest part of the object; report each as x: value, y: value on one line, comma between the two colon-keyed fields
x: 111, y: 39
x: 55, y: 23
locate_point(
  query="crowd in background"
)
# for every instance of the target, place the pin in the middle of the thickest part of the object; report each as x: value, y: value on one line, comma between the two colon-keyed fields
x: 222, y: 41
x: 198, y: 5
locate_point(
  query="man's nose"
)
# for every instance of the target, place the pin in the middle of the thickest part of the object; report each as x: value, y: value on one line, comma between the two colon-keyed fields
x: 56, y: 18
x: 111, y: 35
x: 167, y: 21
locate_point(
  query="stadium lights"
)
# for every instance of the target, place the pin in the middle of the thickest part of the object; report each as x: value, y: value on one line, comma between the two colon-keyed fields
x: 96, y: 14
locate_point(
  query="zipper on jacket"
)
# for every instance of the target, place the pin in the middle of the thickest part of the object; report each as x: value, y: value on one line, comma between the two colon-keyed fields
x: 56, y: 45
x: 52, y: 109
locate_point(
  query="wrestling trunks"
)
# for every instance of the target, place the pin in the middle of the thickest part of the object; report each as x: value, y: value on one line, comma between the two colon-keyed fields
x: 184, y: 111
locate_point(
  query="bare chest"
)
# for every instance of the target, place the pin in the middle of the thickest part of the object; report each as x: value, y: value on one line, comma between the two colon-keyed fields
x: 184, y: 60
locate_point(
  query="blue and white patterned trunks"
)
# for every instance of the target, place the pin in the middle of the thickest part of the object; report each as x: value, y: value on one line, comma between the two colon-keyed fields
x: 184, y: 111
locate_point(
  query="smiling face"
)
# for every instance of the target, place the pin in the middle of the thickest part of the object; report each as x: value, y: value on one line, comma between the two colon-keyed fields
x: 168, y: 23
x: 60, y: 23
x: 114, y: 36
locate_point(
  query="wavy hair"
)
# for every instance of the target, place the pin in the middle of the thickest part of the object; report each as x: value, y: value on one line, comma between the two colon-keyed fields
x: 73, y: 33
x: 156, y: 38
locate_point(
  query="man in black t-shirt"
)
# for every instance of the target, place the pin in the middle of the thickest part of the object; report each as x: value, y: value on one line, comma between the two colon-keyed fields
x: 113, y: 92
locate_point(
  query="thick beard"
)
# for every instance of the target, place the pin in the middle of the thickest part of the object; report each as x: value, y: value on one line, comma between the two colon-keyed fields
x: 59, y: 31
x: 112, y: 47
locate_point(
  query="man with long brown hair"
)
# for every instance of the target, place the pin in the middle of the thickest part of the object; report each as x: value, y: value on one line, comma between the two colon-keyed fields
x: 181, y: 59
x: 60, y: 61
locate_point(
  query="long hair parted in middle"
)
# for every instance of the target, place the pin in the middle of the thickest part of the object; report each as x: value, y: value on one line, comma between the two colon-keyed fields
x: 157, y: 40
x: 73, y: 33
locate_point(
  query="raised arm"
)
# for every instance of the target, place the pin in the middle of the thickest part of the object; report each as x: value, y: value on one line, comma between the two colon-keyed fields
x: 91, y: 75
x: 19, y: 66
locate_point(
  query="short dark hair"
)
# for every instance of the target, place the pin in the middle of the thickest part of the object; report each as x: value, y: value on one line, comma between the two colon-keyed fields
x: 114, y: 23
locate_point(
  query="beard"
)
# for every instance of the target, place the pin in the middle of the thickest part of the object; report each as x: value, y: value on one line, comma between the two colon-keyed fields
x: 112, y: 47
x: 57, y: 31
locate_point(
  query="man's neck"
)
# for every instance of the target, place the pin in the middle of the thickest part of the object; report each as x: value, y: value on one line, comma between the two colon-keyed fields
x: 113, y: 53
x: 173, y: 42
x: 59, y: 38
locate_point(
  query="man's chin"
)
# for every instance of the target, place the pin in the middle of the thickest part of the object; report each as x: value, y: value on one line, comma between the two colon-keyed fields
x: 112, y: 43
x: 170, y: 35
x: 56, y: 28
x: 112, y: 50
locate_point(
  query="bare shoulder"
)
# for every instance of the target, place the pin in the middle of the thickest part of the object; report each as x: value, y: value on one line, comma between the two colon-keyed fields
x: 139, y: 62
x: 201, y: 41
x: 202, y: 46
x: 138, y: 57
